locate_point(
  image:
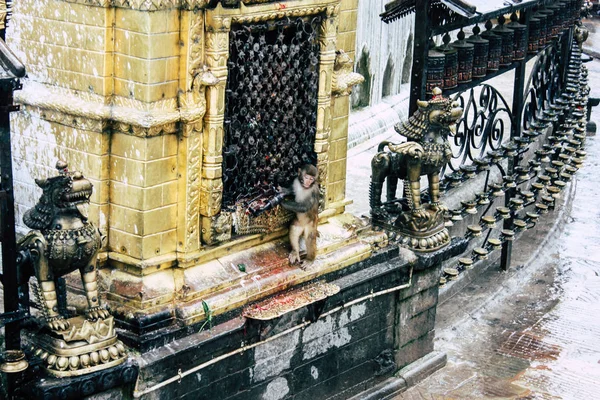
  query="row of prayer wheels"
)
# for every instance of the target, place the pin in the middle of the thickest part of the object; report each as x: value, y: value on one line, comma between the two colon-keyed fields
x: 486, y: 52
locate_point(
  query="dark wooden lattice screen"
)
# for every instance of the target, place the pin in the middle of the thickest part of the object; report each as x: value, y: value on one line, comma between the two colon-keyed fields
x: 270, y: 105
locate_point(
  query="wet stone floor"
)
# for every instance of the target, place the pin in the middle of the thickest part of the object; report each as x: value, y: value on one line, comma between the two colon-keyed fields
x: 533, y: 332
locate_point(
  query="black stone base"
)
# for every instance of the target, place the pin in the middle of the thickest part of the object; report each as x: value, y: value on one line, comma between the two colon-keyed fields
x: 148, y: 332
x: 381, y: 320
x: 405, y: 378
x: 36, y: 383
x: 458, y: 245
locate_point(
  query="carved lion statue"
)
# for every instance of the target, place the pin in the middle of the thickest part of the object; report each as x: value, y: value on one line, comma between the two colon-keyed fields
x: 62, y: 240
x: 425, y: 153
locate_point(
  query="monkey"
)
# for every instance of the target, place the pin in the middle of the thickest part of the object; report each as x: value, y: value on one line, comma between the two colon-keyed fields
x: 305, y: 189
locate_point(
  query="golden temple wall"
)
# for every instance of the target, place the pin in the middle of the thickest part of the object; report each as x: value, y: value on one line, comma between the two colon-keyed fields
x: 338, y: 144
x: 63, y: 46
x: 132, y: 94
x: 113, y: 63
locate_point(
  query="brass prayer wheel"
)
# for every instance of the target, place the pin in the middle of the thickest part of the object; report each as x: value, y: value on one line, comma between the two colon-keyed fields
x: 543, y: 21
x: 495, y: 47
x: 533, y: 42
x: 571, y: 18
x: 562, y: 15
x: 556, y: 20
x: 435, y: 68
x: 480, y: 53
x: 520, y: 38
x: 450, y: 64
x: 549, y: 13
x: 570, y: 15
x: 576, y: 6
x: 567, y: 14
x: 465, y: 58
x: 508, y: 45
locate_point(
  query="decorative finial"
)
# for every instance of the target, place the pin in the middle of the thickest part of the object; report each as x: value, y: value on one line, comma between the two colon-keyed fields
x: 446, y: 39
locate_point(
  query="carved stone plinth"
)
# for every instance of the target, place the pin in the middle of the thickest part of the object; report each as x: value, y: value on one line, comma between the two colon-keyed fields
x: 84, y: 348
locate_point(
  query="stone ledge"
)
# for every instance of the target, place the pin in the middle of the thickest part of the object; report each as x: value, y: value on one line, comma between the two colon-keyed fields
x: 422, y: 368
x: 369, y: 322
x: 405, y: 378
x: 145, y: 119
x: 428, y: 260
x: 384, y: 391
x: 144, y: 5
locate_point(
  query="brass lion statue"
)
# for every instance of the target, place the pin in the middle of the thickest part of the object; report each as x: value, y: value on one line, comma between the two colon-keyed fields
x: 425, y: 153
x: 62, y: 240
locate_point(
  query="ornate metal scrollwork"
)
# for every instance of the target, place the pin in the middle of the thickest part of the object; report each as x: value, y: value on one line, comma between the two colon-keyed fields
x: 486, y: 118
x: 544, y: 84
x: 270, y: 107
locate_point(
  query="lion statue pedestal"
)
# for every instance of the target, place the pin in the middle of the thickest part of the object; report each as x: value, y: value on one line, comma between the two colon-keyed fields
x: 62, y: 240
x: 420, y: 226
x: 83, y: 348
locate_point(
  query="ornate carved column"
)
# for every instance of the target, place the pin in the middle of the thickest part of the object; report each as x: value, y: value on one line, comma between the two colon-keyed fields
x: 211, y: 186
x: 327, y: 42
x: 195, y: 77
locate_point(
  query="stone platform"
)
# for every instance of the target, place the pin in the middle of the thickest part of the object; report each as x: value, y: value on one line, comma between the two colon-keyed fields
x: 381, y: 320
x: 218, y: 289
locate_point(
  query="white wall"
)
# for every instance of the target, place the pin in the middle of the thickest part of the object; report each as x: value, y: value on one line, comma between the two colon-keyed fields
x: 382, y: 41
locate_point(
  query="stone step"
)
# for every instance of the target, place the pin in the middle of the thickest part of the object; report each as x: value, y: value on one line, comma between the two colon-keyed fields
x: 260, y: 284
x: 266, y: 259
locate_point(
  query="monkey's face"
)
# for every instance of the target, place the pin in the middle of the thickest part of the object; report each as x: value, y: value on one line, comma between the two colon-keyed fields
x: 307, y: 180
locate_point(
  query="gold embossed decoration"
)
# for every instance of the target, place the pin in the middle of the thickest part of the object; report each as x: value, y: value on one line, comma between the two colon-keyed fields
x: 266, y: 222
x: 344, y: 78
x: 421, y: 226
x: 83, y: 348
x: 144, y: 5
